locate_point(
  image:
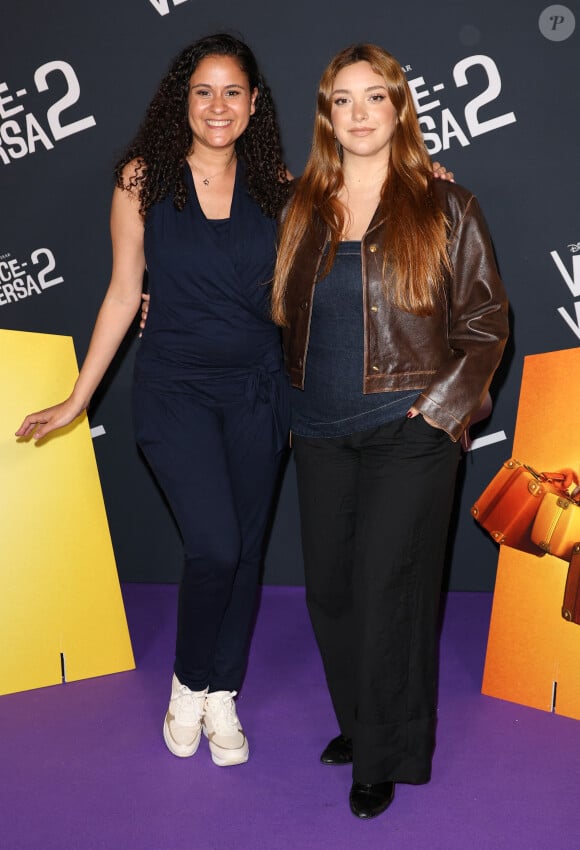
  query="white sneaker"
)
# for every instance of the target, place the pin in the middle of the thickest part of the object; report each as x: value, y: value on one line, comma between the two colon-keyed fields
x: 227, y: 743
x: 182, y: 726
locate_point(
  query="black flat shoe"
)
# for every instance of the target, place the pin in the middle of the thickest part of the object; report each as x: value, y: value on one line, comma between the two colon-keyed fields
x: 368, y: 801
x: 338, y: 751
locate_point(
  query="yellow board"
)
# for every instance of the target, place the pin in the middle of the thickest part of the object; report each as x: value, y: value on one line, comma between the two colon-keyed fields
x: 60, y: 600
x: 533, y: 654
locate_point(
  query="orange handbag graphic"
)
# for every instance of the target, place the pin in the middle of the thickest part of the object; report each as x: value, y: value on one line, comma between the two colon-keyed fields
x: 556, y: 528
x: 508, y: 506
x: 538, y: 513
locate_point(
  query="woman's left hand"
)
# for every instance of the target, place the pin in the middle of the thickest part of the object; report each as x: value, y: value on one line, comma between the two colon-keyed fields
x: 441, y: 172
x: 412, y: 412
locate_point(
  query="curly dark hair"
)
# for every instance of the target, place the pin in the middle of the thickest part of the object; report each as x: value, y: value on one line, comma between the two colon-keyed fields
x: 164, y: 138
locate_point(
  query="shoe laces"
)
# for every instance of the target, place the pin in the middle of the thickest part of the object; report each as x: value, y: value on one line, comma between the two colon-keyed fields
x: 188, y: 706
x: 223, y: 712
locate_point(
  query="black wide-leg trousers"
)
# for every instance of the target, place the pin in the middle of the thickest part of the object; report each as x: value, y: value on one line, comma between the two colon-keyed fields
x: 375, y: 509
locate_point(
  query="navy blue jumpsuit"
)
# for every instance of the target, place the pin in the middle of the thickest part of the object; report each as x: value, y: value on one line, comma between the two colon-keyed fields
x: 210, y: 405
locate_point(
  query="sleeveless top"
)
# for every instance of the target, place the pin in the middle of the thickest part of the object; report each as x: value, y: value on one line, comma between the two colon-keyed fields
x: 209, y: 283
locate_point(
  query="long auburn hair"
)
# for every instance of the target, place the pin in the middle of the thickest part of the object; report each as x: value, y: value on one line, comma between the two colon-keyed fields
x: 416, y: 226
x: 164, y: 139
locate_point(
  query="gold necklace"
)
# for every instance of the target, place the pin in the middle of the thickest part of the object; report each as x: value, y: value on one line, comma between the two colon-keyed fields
x: 205, y: 180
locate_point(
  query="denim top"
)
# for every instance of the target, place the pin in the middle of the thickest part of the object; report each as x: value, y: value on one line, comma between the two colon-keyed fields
x: 332, y: 403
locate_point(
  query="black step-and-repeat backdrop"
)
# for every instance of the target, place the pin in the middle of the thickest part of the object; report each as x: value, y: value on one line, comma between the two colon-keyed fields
x: 496, y: 88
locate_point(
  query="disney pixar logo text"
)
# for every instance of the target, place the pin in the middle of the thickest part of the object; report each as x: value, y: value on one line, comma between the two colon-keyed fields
x: 572, y: 281
x: 162, y: 6
x: 21, y: 279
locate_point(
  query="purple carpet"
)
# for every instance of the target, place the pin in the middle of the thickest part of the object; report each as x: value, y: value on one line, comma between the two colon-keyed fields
x: 83, y: 765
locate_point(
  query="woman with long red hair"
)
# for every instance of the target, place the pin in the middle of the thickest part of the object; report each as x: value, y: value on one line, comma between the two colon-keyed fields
x: 394, y: 320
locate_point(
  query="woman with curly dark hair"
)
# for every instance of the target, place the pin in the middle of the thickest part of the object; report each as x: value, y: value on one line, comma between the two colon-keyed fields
x: 195, y: 202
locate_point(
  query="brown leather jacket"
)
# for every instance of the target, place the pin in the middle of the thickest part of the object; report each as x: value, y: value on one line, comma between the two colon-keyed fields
x: 450, y: 356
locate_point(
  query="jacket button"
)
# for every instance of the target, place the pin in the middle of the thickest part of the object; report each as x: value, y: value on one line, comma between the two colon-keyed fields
x: 304, y: 305
x: 375, y: 368
x: 374, y: 309
x: 373, y: 248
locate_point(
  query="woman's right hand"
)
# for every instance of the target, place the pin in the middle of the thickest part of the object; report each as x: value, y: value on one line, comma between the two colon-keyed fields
x: 38, y: 425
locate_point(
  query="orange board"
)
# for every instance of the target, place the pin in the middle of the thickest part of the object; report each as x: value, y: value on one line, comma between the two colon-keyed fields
x: 533, y: 654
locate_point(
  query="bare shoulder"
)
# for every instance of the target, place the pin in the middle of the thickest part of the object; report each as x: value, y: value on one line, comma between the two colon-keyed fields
x: 129, y: 185
x: 125, y: 207
x: 134, y: 172
x: 126, y: 195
